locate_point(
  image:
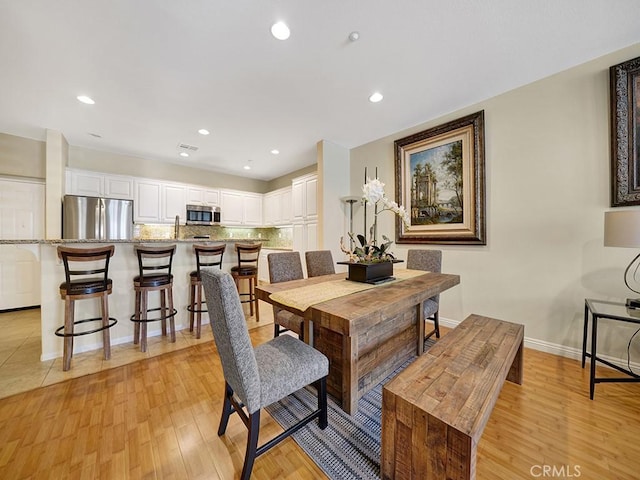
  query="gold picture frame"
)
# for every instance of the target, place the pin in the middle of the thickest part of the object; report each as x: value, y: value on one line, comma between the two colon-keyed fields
x: 624, y: 80
x: 440, y: 179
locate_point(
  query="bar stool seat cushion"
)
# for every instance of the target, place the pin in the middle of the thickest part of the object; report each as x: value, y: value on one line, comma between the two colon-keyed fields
x: 430, y: 308
x: 244, y: 270
x: 86, y: 286
x: 153, y: 280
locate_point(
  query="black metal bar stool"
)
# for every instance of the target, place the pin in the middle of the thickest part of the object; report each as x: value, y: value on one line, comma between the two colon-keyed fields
x: 82, y: 284
x: 206, y: 256
x: 247, y: 268
x: 154, y: 264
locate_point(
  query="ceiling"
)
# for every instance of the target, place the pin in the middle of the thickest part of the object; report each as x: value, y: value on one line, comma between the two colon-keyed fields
x: 159, y: 70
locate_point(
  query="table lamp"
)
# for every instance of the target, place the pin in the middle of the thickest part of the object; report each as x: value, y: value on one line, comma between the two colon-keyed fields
x: 622, y: 229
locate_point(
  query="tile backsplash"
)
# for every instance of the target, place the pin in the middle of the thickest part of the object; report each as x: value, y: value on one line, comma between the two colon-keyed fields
x: 272, y: 237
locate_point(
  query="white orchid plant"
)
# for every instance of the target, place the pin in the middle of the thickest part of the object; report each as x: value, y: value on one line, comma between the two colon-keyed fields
x: 369, y: 251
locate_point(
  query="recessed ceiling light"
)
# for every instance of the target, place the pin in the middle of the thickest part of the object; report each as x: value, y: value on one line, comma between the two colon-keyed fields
x: 184, y: 154
x: 247, y: 167
x: 354, y: 36
x: 280, y: 31
x: 85, y: 99
x: 275, y: 152
x: 203, y: 131
x: 375, y: 97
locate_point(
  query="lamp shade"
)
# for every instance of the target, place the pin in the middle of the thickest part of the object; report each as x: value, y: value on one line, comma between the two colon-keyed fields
x: 622, y: 228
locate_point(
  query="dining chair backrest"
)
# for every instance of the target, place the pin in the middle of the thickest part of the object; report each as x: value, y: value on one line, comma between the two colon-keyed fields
x: 284, y: 266
x: 231, y: 336
x: 319, y: 262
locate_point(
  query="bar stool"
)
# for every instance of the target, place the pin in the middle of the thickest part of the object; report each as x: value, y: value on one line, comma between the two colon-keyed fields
x: 158, y: 261
x: 85, y: 285
x: 247, y: 268
x: 206, y: 256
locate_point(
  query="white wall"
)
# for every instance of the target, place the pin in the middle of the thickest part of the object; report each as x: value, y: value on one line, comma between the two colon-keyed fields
x: 547, y: 183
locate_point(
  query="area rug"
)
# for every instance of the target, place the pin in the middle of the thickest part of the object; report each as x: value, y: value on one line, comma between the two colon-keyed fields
x: 349, y: 448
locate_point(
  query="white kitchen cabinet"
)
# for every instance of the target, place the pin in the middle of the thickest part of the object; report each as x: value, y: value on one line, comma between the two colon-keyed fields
x: 304, y: 191
x: 86, y: 183
x: 231, y: 204
x: 240, y: 208
x: 212, y: 197
x: 118, y: 186
x: 277, y: 207
x: 174, y: 201
x: 147, y: 203
x: 96, y: 184
x: 252, y: 209
x: 203, y: 196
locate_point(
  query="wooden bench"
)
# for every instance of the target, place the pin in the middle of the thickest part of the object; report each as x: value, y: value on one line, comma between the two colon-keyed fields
x: 434, y: 412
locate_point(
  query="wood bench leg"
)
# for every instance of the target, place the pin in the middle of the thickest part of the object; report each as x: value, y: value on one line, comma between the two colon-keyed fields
x: 517, y: 367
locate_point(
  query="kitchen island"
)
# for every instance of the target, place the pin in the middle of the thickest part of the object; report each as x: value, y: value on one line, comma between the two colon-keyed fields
x: 123, y: 267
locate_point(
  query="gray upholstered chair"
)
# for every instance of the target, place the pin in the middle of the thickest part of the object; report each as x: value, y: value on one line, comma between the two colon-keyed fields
x: 284, y: 267
x: 319, y: 262
x: 430, y: 260
x: 257, y: 377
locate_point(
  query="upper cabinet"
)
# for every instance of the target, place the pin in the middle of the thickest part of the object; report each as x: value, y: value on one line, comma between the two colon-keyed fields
x: 147, y: 204
x: 203, y: 196
x: 174, y: 202
x: 276, y: 207
x: 304, y: 192
x: 240, y: 208
x: 95, y: 184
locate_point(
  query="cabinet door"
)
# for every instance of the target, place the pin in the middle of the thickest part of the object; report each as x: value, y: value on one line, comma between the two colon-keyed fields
x: 195, y: 196
x: 311, y: 195
x: 87, y: 183
x: 118, y: 187
x: 297, y: 200
x: 285, y: 207
x: 268, y: 209
x: 299, y: 238
x: 212, y: 197
x: 173, y: 202
x: 147, y: 201
x: 231, y: 208
x: 311, y: 236
x: 252, y: 209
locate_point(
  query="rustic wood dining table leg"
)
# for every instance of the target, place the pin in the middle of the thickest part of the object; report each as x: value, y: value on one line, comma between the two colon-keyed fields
x: 350, y: 374
x: 420, y: 315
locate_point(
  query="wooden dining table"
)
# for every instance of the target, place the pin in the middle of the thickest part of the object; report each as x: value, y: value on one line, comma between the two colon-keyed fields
x: 366, y: 334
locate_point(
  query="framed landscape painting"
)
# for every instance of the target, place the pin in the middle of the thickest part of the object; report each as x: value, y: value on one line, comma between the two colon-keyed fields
x: 625, y: 133
x: 440, y: 180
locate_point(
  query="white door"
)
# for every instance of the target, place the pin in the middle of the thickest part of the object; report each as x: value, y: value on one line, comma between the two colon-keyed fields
x: 21, y: 218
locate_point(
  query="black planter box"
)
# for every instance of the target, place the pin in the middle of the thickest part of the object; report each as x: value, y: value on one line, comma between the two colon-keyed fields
x: 370, y: 272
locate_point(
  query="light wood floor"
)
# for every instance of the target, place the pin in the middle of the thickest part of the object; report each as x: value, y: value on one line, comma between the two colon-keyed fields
x: 157, y: 418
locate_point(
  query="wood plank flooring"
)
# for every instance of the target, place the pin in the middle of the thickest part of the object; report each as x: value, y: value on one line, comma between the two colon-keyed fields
x: 157, y: 418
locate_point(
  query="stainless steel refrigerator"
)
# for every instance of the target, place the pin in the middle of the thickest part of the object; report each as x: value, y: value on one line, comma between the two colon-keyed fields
x: 85, y: 218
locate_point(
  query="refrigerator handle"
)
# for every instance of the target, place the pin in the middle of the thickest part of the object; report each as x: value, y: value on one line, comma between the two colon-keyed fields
x: 102, y: 219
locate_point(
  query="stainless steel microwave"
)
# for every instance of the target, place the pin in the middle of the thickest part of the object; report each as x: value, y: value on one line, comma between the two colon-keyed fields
x: 202, y: 215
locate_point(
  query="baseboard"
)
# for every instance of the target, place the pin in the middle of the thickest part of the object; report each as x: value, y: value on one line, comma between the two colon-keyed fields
x: 557, y: 349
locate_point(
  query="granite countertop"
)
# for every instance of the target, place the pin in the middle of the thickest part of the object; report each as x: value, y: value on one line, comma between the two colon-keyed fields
x: 141, y: 240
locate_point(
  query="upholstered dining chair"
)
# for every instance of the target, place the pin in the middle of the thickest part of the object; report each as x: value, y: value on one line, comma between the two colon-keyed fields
x: 257, y: 377
x: 319, y: 262
x: 284, y: 267
x: 430, y: 260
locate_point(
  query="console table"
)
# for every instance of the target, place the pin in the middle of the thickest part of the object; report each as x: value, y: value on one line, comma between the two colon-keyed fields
x: 601, y: 309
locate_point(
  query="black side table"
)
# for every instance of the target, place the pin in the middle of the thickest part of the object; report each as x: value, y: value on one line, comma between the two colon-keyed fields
x: 611, y: 311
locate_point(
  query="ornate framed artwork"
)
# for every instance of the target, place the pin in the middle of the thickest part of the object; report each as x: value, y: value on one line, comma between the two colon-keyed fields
x: 625, y: 133
x: 440, y: 179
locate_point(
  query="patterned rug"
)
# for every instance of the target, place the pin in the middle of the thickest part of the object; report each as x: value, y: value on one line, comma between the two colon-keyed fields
x: 349, y: 448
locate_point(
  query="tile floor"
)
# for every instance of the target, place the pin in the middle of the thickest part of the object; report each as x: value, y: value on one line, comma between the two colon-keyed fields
x: 22, y: 370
